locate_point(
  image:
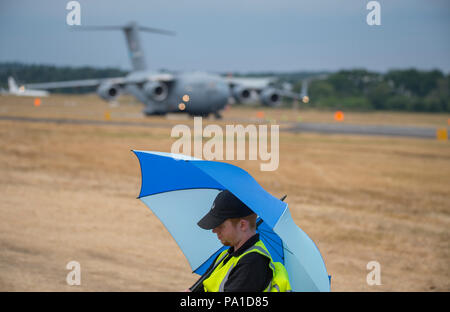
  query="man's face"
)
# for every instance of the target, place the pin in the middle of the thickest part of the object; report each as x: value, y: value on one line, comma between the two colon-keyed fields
x: 227, y: 233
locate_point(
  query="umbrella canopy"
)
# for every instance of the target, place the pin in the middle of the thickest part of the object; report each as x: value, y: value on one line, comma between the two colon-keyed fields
x: 180, y: 191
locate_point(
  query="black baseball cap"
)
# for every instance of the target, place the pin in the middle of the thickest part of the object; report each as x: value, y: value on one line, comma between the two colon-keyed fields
x: 225, y: 206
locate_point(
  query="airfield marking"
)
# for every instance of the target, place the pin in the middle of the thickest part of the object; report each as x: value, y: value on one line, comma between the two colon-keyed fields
x: 369, y: 130
x: 85, y: 122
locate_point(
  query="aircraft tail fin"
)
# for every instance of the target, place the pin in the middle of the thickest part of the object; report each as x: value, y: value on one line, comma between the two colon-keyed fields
x: 131, y: 31
x: 12, y: 85
x: 304, y: 91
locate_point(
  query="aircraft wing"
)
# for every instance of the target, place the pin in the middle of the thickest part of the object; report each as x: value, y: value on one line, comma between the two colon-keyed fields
x: 290, y: 94
x: 242, y: 89
x: 141, y: 77
x: 134, y: 78
x: 75, y: 83
x: 250, y: 82
x: 303, y: 96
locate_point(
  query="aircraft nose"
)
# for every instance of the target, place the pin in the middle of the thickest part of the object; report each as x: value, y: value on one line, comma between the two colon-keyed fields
x: 215, y: 95
x: 220, y: 100
x: 222, y: 95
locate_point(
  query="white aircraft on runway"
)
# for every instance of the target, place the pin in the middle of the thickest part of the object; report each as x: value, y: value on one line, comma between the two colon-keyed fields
x: 22, y: 91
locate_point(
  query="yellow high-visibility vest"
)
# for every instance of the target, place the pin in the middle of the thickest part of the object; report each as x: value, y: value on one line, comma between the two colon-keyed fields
x: 216, y: 281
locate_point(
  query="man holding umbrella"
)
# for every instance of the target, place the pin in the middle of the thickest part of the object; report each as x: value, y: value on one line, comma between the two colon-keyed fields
x: 179, y: 193
x: 247, y: 264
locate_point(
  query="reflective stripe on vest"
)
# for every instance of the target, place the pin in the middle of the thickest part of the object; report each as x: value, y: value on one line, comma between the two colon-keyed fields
x: 216, y: 281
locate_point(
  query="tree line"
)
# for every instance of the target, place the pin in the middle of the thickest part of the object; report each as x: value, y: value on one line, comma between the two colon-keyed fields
x: 357, y: 89
x: 402, y: 90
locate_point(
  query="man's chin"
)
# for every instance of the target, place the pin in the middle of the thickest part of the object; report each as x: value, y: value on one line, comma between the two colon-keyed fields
x: 225, y: 243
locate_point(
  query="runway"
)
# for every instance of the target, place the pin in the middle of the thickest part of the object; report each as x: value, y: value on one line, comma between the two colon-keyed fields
x: 86, y: 122
x: 415, y: 132
x: 366, y: 130
x: 68, y: 177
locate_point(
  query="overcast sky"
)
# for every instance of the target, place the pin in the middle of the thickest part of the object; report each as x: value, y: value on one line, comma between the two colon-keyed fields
x: 233, y: 35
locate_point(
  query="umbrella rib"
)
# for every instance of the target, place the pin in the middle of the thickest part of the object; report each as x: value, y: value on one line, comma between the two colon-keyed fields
x: 269, y: 239
x: 274, y: 249
x: 273, y: 240
x: 282, y: 246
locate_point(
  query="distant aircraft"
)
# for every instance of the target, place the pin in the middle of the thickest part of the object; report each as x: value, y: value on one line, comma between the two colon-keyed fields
x: 22, y: 91
x: 196, y: 93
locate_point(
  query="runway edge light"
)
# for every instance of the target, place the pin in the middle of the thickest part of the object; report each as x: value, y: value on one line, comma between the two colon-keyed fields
x: 441, y: 134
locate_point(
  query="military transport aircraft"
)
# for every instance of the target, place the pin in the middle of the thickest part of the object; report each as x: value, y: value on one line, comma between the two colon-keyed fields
x: 195, y: 93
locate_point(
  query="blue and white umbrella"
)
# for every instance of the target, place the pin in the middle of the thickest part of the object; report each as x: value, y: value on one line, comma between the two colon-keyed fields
x: 180, y: 191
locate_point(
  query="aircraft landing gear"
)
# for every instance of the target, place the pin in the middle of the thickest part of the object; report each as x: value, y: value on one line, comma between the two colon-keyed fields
x: 204, y: 115
x: 153, y: 113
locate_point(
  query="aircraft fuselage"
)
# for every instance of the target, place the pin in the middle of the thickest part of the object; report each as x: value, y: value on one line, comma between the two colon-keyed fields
x: 195, y: 93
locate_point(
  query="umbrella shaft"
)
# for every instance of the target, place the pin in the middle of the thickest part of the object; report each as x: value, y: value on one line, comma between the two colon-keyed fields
x: 207, y: 274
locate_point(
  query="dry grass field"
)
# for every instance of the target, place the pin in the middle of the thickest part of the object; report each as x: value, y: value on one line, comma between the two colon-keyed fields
x: 68, y: 192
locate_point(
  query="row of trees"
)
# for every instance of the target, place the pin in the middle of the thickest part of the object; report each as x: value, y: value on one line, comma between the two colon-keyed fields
x: 359, y: 89
x: 405, y: 90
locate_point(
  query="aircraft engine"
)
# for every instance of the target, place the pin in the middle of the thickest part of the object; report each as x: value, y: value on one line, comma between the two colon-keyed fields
x: 157, y: 91
x: 241, y: 94
x: 270, y: 97
x: 108, y: 91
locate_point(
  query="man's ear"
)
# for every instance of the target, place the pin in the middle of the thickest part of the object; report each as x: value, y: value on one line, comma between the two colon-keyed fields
x: 244, y: 224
